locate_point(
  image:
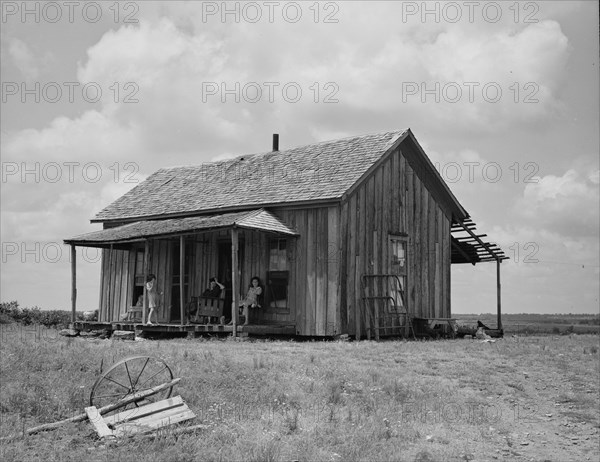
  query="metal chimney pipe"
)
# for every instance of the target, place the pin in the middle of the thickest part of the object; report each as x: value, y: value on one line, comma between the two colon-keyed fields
x: 275, y: 142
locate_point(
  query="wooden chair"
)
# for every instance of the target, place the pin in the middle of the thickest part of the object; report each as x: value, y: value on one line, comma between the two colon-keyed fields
x: 210, y: 307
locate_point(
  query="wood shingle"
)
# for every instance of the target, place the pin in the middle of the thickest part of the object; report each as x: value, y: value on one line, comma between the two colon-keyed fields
x: 316, y: 172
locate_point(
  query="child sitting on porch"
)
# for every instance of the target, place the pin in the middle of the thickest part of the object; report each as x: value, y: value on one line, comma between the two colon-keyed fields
x: 251, y: 300
x: 214, y: 288
x: 213, y: 291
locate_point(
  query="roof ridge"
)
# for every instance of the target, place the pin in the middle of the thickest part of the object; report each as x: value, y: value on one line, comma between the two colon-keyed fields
x: 400, y: 132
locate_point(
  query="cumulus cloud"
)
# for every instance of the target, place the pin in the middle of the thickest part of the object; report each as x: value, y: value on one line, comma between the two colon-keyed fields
x: 173, y: 65
x: 568, y: 203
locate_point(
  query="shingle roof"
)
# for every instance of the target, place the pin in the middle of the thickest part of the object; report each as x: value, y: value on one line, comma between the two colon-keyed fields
x: 321, y: 171
x: 253, y: 219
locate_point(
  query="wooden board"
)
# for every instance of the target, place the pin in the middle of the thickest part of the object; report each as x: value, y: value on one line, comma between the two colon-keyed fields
x: 343, y: 233
x: 361, y: 253
x: 301, y: 268
x: 98, y: 422
x: 350, y: 252
x: 416, y: 249
x: 410, y: 230
x: 321, y: 258
x: 332, y: 317
x: 150, y: 417
x: 425, y: 304
x: 143, y: 411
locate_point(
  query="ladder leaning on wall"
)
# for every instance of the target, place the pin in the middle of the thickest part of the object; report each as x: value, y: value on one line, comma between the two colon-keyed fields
x: 384, y: 309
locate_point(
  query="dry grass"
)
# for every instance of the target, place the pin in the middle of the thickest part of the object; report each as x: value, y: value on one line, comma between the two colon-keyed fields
x: 516, y: 399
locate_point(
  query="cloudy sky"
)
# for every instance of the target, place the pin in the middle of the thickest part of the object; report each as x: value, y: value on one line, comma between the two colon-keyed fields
x: 503, y: 96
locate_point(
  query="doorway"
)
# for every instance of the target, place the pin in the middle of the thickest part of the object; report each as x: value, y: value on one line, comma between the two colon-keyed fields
x: 176, y: 280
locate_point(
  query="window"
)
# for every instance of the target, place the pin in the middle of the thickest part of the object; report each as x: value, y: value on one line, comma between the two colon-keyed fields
x: 277, y: 289
x: 398, y: 267
x: 277, y: 276
x: 278, y: 255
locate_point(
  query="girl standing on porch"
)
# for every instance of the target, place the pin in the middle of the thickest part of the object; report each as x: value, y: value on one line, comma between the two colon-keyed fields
x: 251, y: 300
x: 152, y: 296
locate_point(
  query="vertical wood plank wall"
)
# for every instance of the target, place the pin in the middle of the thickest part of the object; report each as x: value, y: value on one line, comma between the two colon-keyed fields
x: 314, y: 290
x: 394, y: 199
x: 335, y: 246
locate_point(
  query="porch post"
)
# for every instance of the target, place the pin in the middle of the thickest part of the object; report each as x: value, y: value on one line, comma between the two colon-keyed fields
x: 146, y: 271
x: 109, y: 289
x: 234, y: 279
x: 498, y: 261
x: 73, y: 283
x: 181, y: 277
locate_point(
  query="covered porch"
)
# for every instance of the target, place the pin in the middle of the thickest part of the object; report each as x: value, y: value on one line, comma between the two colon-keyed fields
x: 184, y: 253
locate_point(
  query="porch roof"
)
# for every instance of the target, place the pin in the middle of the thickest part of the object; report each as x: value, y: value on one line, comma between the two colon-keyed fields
x: 259, y: 219
x: 468, y: 247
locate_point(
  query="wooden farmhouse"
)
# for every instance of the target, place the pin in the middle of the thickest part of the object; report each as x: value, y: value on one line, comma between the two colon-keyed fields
x: 352, y: 236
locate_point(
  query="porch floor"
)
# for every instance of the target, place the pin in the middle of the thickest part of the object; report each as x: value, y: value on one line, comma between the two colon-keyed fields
x: 256, y: 329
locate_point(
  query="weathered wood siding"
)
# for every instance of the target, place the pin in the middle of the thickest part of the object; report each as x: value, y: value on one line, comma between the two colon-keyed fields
x: 395, y: 199
x: 118, y: 267
x: 115, y: 290
x: 314, y: 265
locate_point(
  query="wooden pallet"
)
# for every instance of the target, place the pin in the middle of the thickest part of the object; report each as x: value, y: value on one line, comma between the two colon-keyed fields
x: 144, y: 419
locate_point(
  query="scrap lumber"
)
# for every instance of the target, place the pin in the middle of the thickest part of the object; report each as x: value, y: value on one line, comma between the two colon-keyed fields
x: 98, y: 422
x: 103, y: 410
x: 128, y: 415
x: 145, y: 419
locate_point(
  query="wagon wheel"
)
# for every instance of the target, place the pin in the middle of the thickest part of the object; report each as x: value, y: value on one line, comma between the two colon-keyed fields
x: 129, y: 376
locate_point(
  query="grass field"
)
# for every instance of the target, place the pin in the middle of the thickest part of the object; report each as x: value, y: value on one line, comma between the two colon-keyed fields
x: 528, y: 324
x: 526, y: 398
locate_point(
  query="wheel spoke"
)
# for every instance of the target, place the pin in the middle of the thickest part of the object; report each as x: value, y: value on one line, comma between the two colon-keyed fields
x: 128, y: 375
x: 141, y: 372
x: 151, y: 377
x: 111, y: 385
x: 120, y: 384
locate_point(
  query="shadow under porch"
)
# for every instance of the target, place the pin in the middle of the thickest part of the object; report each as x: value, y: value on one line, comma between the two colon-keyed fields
x: 241, y: 330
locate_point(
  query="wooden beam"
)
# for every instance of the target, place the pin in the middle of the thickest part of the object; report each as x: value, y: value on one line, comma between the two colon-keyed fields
x: 462, y: 252
x: 73, y: 283
x: 146, y: 271
x: 182, y: 278
x: 111, y: 282
x: 498, y: 286
x: 474, y: 236
x: 234, y: 279
x: 469, y: 238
